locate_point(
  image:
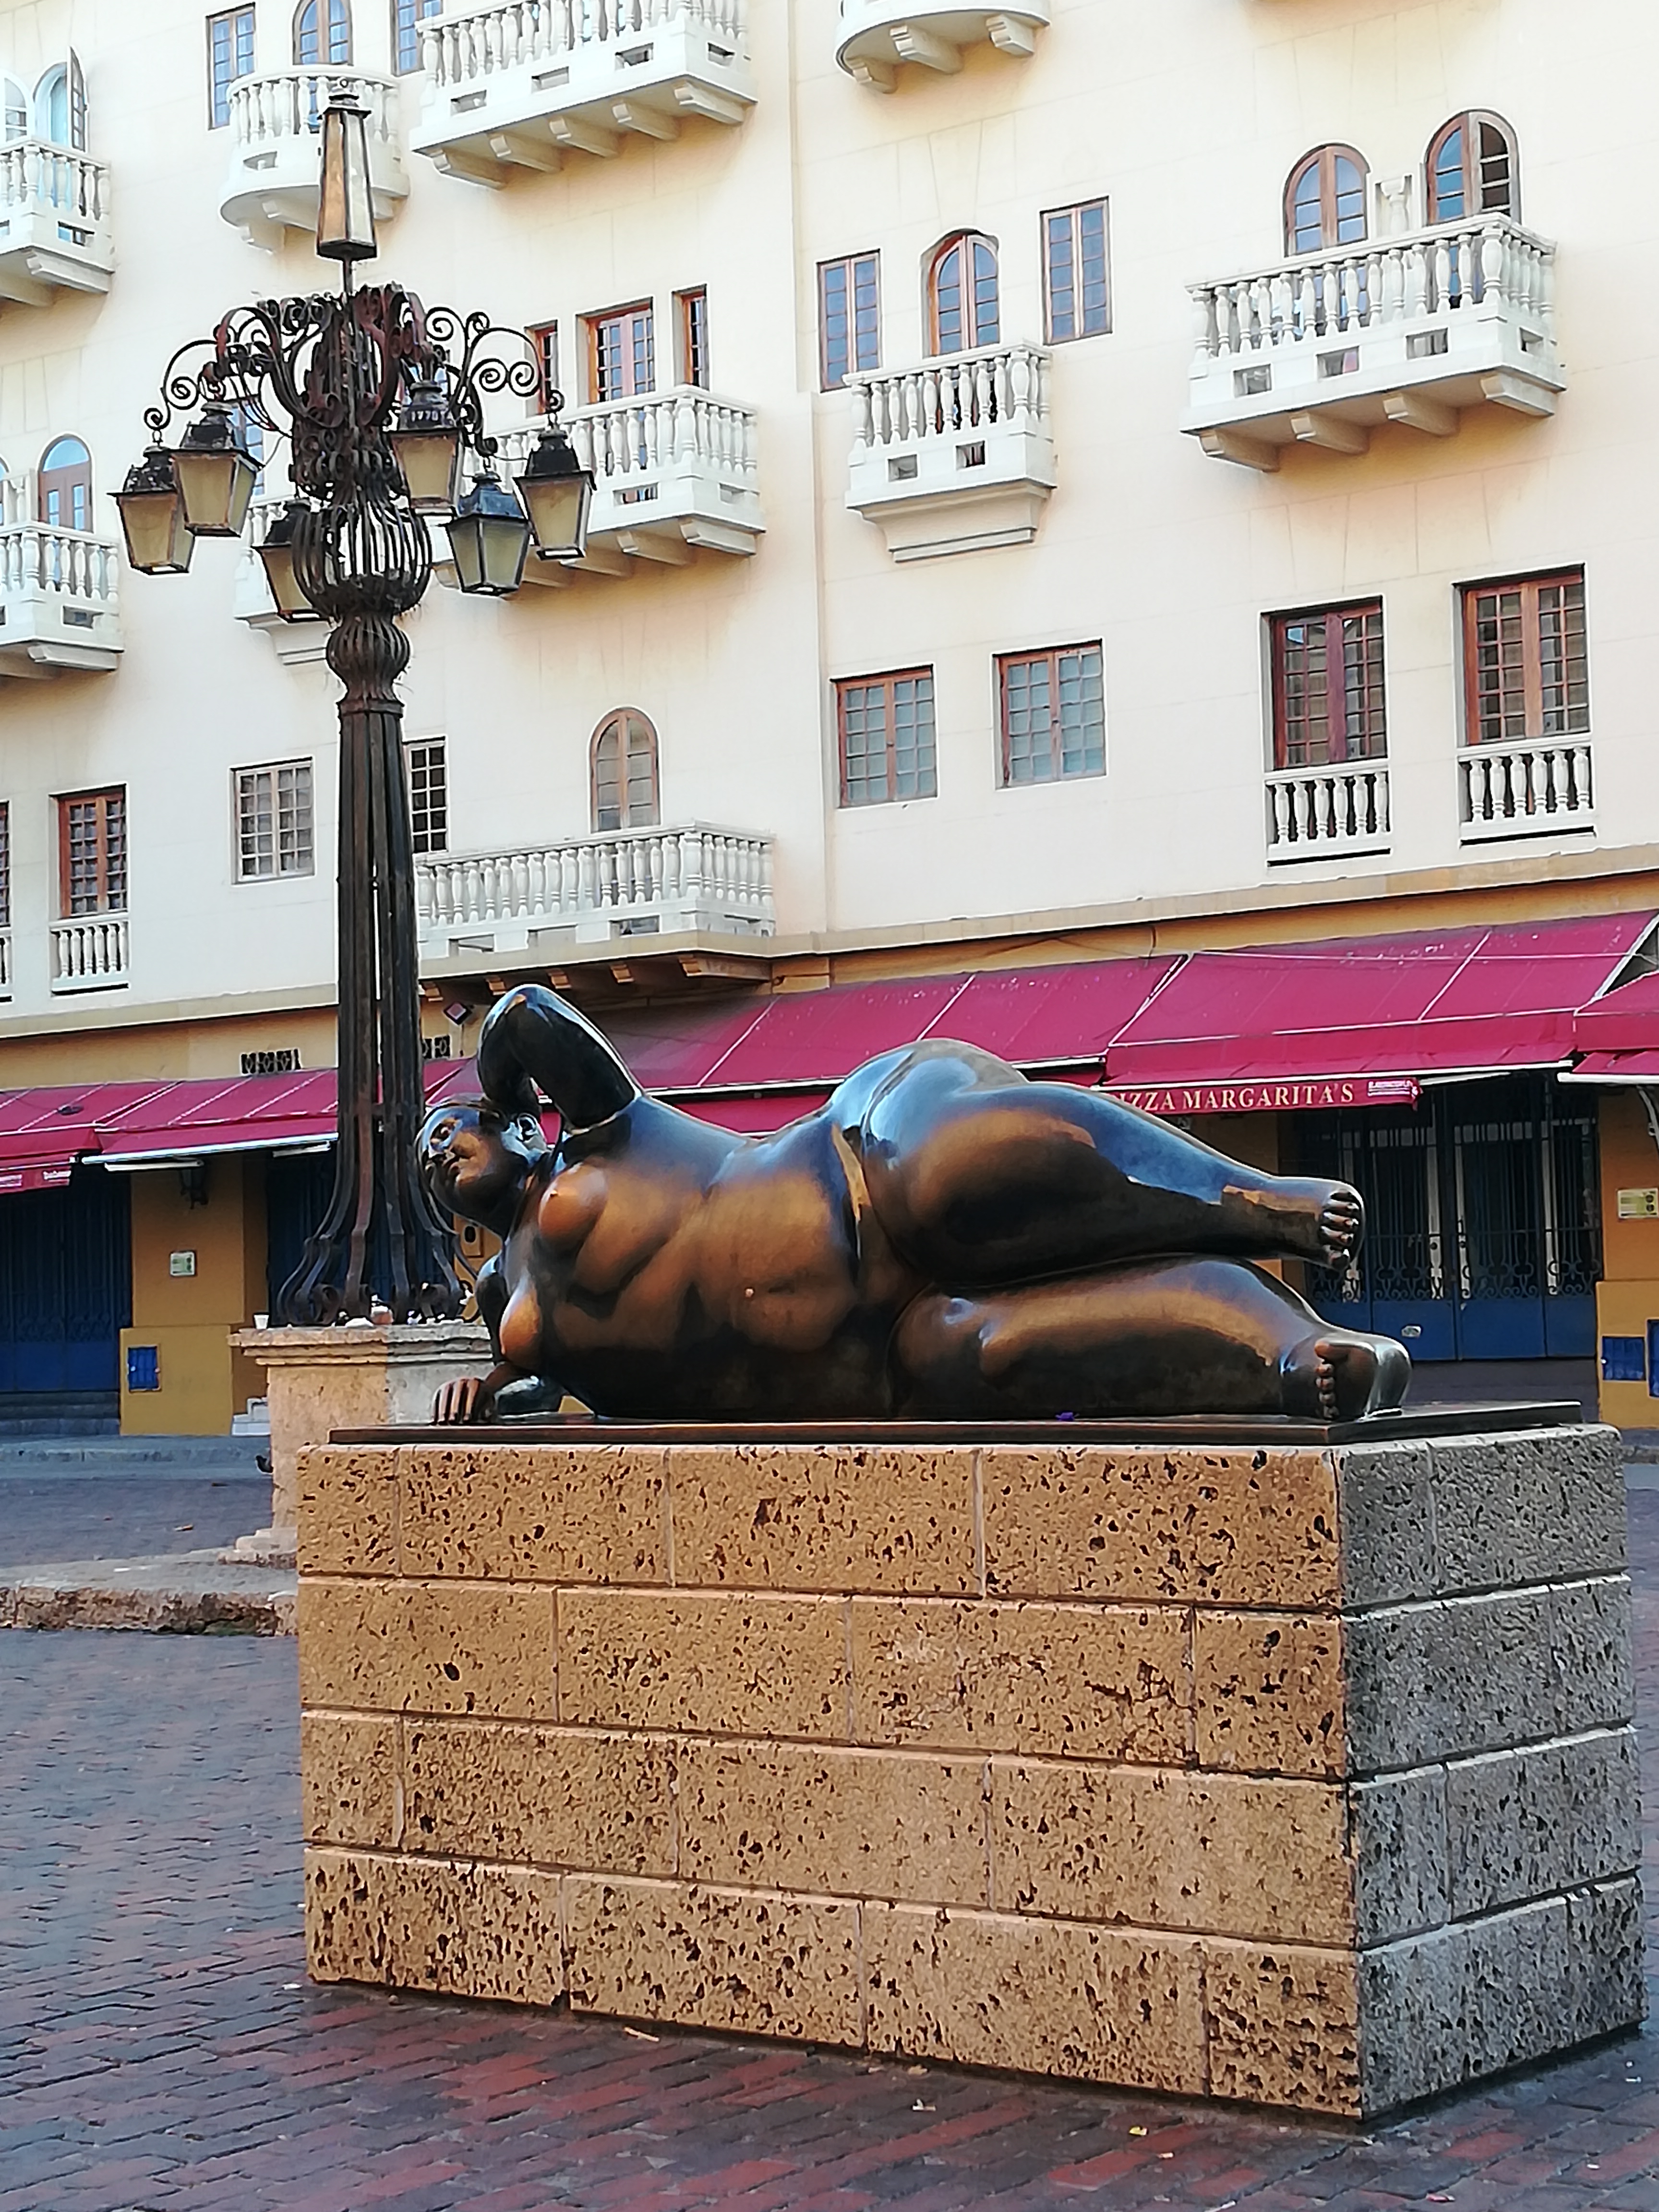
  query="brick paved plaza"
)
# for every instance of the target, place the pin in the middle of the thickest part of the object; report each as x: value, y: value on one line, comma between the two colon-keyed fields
x: 160, y: 2046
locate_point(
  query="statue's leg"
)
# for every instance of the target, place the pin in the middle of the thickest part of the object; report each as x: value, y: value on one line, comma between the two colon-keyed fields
x: 981, y: 1177
x: 1170, y: 1337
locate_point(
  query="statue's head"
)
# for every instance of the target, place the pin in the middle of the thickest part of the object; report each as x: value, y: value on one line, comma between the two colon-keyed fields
x: 474, y: 1158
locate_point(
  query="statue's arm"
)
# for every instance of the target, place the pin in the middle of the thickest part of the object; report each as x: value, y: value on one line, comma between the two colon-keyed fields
x: 469, y: 1398
x: 530, y: 1038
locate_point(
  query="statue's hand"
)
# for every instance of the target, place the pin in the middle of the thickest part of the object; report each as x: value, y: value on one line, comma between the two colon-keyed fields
x: 466, y: 1400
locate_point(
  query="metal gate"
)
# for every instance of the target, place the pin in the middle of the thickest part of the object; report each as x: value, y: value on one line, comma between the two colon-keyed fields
x: 1483, y: 1207
x: 65, y: 1287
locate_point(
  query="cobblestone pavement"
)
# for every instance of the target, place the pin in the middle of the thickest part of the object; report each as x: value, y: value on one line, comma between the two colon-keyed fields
x: 159, y: 2047
x: 121, y: 1512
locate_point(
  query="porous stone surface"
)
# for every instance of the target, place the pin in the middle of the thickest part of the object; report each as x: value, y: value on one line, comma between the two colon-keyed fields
x: 175, y: 1593
x: 1295, y: 1776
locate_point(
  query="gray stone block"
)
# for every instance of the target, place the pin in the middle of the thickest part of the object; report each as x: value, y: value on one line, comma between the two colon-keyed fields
x: 1526, y: 1824
x: 1538, y: 1506
x: 1590, y: 1653
x: 1387, y: 1513
x: 1398, y: 1838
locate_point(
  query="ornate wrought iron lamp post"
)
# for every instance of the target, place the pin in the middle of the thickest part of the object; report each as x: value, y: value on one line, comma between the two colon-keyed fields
x: 381, y: 399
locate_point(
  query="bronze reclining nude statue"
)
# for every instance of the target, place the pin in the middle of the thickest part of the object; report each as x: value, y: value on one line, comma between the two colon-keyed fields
x: 942, y: 1239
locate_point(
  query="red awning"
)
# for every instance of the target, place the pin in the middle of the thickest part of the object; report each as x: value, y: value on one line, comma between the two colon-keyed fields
x: 44, y: 1133
x: 1464, y: 1002
x: 1621, y: 1021
x: 203, y: 1116
x: 1617, y: 1068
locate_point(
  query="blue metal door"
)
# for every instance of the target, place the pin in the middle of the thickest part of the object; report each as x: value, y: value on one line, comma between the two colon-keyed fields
x: 65, y: 1286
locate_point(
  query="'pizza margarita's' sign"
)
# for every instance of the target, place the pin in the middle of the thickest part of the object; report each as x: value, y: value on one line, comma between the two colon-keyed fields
x: 1268, y: 1097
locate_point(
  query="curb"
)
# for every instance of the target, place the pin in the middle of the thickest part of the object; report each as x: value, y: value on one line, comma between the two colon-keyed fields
x: 193, y: 1594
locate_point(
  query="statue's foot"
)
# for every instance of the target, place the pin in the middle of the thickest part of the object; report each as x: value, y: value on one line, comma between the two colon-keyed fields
x: 1343, y: 1378
x: 1306, y: 1218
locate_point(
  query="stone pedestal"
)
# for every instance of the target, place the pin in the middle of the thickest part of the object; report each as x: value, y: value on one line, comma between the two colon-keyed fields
x: 1297, y: 1775
x: 318, y: 1380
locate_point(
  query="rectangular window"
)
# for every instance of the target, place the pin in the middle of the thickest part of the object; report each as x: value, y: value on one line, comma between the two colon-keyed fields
x: 1526, y: 662
x: 92, y: 853
x: 428, y: 794
x: 407, y: 17
x: 230, y: 55
x: 1076, y: 281
x: 1328, y: 693
x: 622, y: 353
x: 544, y: 337
x: 1054, y: 714
x: 887, y: 737
x: 273, y: 821
x: 849, y: 317
x: 693, y: 308
x: 5, y: 867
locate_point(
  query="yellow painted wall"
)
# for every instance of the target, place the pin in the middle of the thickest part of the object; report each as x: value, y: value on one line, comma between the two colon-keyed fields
x: 189, y: 1318
x: 1627, y: 1296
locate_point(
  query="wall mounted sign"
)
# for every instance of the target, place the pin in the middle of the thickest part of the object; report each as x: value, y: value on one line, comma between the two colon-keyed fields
x: 1172, y: 1098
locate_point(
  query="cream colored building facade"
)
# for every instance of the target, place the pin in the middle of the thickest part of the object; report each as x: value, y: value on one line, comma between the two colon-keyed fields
x: 1430, y: 397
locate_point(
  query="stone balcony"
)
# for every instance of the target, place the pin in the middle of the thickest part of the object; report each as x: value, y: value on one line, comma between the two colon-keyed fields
x: 673, y: 470
x: 954, y: 454
x: 1328, y: 813
x: 1323, y: 349
x: 519, y: 86
x: 54, y: 222
x: 546, y: 897
x: 275, y: 149
x: 878, y: 35
x: 1539, y: 789
x: 58, y: 606
x: 89, y: 953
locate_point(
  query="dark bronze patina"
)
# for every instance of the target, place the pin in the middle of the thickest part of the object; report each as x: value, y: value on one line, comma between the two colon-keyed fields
x: 941, y: 1240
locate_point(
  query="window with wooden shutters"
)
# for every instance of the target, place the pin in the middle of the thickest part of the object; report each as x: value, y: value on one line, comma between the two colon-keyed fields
x: 273, y: 821
x: 407, y: 17
x: 963, y: 305
x: 624, y: 768
x: 5, y: 867
x: 1325, y: 201
x: 849, y: 317
x: 1052, y: 713
x: 622, y: 353
x: 427, y: 769
x: 1077, y: 293
x: 1526, y: 660
x: 230, y: 55
x: 1473, y: 169
x: 886, y: 737
x: 92, y: 853
x: 691, y: 311
x: 1328, y: 692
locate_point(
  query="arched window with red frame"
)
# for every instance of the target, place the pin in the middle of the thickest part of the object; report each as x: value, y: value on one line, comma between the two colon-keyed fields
x: 963, y: 306
x: 623, y: 762
x: 1474, y: 168
x: 65, y: 485
x: 1325, y: 201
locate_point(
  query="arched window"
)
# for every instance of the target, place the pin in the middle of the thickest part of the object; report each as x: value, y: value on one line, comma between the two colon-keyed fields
x: 65, y: 488
x: 962, y: 295
x: 624, y: 760
x: 322, y: 34
x: 1325, y: 201
x: 17, y: 103
x: 1473, y: 169
x: 60, y: 107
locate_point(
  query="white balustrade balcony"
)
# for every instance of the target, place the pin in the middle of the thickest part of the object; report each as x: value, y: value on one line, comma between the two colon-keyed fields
x: 1328, y: 813
x: 520, y: 85
x: 58, y: 608
x: 673, y: 470
x: 1323, y: 349
x: 954, y: 454
x: 251, y: 601
x: 5, y: 964
x: 877, y: 35
x: 54, y: 222
x: 1534, y: 790
x: 89, y: 953
x: 584, y: 890
x: 274, y: 143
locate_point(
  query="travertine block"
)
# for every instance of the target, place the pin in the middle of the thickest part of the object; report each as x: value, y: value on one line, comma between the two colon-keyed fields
x: 1546, y: 1507
x: 347, y: 1509
x: 465, y: 1929
x: 427, y: 1648
x: 857, y: 1823
x: 467, y: 1510
x: 710, y: 1958
x: 350, y: 1786
x: 1401, y: 1854
x: 553, y: 1798
x: 826, y: 1518
x: 1090, y: 1682
x: 1099, y: 2004
x: 730, y: 1665
x: 1268, y: 1693
x: 1226, y: 1853
x: 1387, y: 1518
x: 1282, y: 2025
x: 1525, y: 1823
x: 1217, y: 1528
